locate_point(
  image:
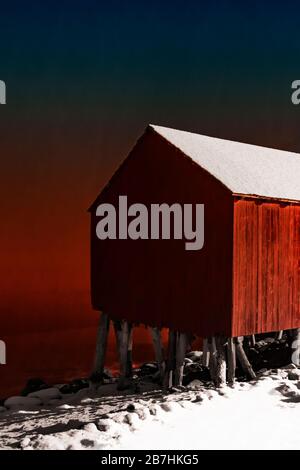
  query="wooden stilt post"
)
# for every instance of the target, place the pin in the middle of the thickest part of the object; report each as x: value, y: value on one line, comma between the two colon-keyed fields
x: 118, y: 333
x: 129, y: 351
x: 279, y: 335
x: 220, y: 373
x: 212, y: 357
x: 241, y: 355
x: 295, y: 346
x: 101, y: 346
x: 122, y: 330
x: 252, y: 341
x: 205, y: 356
x: 124, y: 337
x: 181, y: 346
x: 231, y: 358
x: 159, y: 352
x: 171, y: 360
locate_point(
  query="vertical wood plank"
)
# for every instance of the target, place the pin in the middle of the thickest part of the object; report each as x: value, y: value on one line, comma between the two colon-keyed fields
x: 266, y: 275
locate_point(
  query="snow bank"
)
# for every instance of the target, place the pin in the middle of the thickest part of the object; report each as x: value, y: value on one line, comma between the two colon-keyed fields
x: 263, y: 414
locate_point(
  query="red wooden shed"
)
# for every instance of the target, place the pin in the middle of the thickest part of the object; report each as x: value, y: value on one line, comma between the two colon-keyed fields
x: 245, y: 279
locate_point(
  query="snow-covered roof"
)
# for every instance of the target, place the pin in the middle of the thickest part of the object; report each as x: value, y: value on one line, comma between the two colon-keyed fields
x: 243, y: 168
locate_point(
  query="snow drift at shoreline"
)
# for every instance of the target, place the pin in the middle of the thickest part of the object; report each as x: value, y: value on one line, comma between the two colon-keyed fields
x: 263, y: 414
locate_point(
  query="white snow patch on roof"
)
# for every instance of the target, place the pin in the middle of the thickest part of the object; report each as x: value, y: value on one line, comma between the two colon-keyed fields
x: 242, y: 168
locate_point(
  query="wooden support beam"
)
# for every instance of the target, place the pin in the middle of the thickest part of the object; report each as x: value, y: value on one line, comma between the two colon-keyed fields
x: 205, y: 355
x: 241, y: 355
x: 181, y: 346
x: 231, y: 359
x: 101, y: 345
x: 212, y: 357
x: 129, y: 352
x: 171, y: 360
x: 220, y: 371
x: 279, y: 335
x: 252, y: 341
x: 123, y: 332
x: 118, y: 333
x: 158, y: 350
x: 124, y: 340
x: 295, y: 346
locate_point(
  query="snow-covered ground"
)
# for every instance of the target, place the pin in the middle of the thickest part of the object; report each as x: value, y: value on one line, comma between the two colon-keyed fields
x: 264, y: 414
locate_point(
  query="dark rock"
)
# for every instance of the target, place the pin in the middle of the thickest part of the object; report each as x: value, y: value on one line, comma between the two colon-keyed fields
x: 148, y: 369
x: 74, y: 386
x: 34, y: 385
x: 87, y: 442
x: 294, y: 374
x: 130, y: 408
x: 137, y: 388
x: 270, y: 355
x: 195, y: 356
x: 103, y: 427
x: 124, y: 384
x: 195, y: 371
x: 197, y: 399
x: 97, y: 378
x: 65, y: 389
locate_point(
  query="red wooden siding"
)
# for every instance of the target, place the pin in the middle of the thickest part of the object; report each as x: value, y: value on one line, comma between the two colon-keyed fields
x: 157, y: 282
x: 266, y: 266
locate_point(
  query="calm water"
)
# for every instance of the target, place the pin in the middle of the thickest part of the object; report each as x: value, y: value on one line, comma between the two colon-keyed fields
x: 58, y: 356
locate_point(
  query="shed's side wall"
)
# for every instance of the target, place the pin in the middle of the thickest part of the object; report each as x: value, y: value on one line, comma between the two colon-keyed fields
x: 266, y: 267
x: 158, y: 282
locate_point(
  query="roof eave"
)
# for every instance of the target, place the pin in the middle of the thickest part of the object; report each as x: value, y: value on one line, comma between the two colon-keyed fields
x: 268, y: 198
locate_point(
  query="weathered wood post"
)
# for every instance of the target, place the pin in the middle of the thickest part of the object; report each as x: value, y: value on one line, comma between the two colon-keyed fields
x: 295, y: 346
x: 212, y: 357
x: 124, y: 339
x: 171, y: 360
x: 118, y: 326
x: 129, y: 352
x: 205, y: 355
x: 252, y: 341
x: 241, y: 355
x: 279, y: 335
x: 231, y: 358
x: 220, y: 371
x: 118, y: 332
x: 101, y: 346
x: 181, y: 346
x: 159, y: 352
x: 123, y: 332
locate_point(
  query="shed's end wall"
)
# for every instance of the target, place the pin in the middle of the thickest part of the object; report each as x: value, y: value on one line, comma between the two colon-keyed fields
x: 158, y: 282
x: 266, y: 266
